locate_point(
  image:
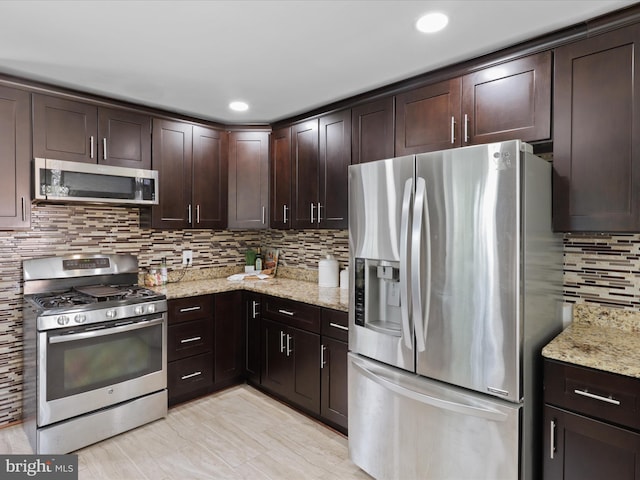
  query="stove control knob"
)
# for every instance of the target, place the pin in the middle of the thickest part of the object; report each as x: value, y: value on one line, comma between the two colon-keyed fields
x: 139, y: 310
x: 62, y: 320
x: 111, y: 313
x: 151, y: 308
x: 80, y: 318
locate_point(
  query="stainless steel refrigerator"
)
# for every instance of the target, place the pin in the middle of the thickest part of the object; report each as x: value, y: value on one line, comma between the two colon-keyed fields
x: 455, y: 288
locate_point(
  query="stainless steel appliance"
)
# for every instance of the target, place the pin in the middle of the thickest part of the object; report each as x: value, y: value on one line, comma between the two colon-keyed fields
x: 455, y: 287
x: 62, y: 181
x: 95, y: 359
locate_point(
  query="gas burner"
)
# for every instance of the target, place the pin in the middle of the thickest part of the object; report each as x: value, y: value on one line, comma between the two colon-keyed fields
x: 62, y: 299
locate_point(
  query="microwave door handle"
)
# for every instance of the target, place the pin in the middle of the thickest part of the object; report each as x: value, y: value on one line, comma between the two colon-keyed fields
x: 405, y: 263
x: 105, y: 331
x: 420, y: 264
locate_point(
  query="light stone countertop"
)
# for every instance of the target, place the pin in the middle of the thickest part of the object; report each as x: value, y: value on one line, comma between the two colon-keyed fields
x: 294, y: 289
x: 602, y: 338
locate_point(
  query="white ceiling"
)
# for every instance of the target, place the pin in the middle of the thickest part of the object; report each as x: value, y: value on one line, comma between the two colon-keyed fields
x: 282, y: 57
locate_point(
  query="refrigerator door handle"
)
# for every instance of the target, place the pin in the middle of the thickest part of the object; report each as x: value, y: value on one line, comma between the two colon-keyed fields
x: 405, y: 264
x: 420, y: 311
x: 460, y: 408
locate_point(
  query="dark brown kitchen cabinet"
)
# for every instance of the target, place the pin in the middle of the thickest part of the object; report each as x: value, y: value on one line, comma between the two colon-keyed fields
x: 228, y: 347
x: 280, y: 178
x: 334, y: 349
x: 75, y: 131
x: 192, y: 166
x: 596, y: 161
x: 15, y: 159
x: 372, y: 134
x: 321, y: 155
x: 252, y: 329
x: 428, y: 118
x: 248, y: 180
x: 591, y: 425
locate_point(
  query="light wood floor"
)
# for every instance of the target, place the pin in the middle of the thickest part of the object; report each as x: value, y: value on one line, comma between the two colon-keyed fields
x: 235, y: 434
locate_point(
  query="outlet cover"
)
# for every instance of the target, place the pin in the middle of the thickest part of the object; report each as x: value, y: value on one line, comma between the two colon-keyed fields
x: 187, y: 257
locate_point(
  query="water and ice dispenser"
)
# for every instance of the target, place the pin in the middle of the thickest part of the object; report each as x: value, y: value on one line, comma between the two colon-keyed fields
x: 377, y: 295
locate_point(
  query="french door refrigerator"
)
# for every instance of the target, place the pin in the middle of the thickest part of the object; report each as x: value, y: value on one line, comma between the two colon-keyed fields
x: 455, y: 288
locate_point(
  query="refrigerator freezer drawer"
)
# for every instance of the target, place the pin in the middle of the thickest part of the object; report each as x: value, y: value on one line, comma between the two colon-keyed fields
x: 405, y: 426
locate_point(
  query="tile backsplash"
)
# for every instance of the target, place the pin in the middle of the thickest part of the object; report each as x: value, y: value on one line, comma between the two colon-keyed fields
x: 598, y: 269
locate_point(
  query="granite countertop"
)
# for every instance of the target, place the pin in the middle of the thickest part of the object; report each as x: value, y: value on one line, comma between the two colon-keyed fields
x: 602, y: 338
x: 300, y: 290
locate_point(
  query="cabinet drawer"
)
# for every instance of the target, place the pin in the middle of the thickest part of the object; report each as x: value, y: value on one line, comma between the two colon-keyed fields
x: 335, y: 324
x: 602, y: 395
x: 190, y: 375
x: 290, y: 312
x: 189, y: 308
x: 190, y: 338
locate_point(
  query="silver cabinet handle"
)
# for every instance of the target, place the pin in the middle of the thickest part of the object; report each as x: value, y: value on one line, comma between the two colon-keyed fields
x: 312, y: 207
x: 552, y: 443
x: 453, y: 130
x: 189, y: 214
x: 192, y: 339
x: 198, y: 213
x: 288, y: 345
x: 284, y: 213
x: 91, y: 146
x: 104, y: 148
x: 189, y: 309
x: 341, y: 327
x: 191, y: 375
x: 466, y: 128
x: 322, y: 361
x: 286, y: 312
x: 264, y: 214
x: 585, y: 393
x: 319, y: 205
x: 254, y: 308
x: 24, y: 211
x: 282, y: 341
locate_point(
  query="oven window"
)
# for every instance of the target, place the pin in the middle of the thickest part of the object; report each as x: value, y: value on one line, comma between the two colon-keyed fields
x: 77, y: 366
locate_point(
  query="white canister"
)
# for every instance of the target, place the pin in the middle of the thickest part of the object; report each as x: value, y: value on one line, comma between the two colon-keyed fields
x: 328, y: 272
x: 344, y: 278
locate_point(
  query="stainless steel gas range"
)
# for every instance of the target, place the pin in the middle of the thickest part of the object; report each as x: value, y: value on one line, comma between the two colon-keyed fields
x: 95, y: 359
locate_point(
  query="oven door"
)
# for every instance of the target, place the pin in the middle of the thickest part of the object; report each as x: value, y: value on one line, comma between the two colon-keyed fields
x: 85, y: 369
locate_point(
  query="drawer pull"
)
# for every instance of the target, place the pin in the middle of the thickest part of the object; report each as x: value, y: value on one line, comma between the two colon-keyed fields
x: 191, y: 375
x: 286, y: 312
x: 192, y: 339
x: 335, y: 325
x: 189, y: 309
x: 584, y: 393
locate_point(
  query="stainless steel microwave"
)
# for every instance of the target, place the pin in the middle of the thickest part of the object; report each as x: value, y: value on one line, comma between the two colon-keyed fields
x: 62, y: 181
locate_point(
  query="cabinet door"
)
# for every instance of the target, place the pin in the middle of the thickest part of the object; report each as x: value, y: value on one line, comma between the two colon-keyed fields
x: 596, y: 162
x: 227, y: 337
x: 248, y: 180
x: 124, y: 138
x: 335, y: 158
x: 579, y: 448
x: 276, y: 367
x: 209, y: 178
x: 303, y: 350
x: 172, y: 157
x: 64, y: 129
x: 253, y: 351
x: 305, y: 170
x: 428, y: 118
x: 333, y: 403
x: 281, y: 178
x: 372, y: 131
x: 509, y: 101
x: 15, y: 159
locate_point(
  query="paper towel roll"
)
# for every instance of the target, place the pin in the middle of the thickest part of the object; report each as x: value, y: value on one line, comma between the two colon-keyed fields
x: 328, y: 272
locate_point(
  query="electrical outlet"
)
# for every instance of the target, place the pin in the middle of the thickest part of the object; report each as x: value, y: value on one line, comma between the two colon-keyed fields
x: 187, y: 257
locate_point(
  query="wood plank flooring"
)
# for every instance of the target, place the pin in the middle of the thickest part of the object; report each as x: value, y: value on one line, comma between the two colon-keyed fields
x: 238, y: 433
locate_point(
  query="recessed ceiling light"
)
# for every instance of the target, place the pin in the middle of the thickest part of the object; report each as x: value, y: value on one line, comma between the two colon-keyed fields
x: 239, y: 106
x: 432, y: 22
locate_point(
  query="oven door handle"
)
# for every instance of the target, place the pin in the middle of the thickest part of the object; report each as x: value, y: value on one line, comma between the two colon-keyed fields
x: 107, y: 331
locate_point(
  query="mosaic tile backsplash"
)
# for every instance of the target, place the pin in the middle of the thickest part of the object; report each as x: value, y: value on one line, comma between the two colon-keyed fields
x: 600, y: 270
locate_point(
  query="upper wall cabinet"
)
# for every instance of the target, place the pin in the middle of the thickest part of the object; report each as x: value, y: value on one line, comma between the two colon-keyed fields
x: 75, y: 131
x: 15, y: 158
x: 596, y: 159
x: 372, y: 131
x: 192, y: 167
x: 280, y: 178
x: 248, y: 180
x: 505, y: 102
